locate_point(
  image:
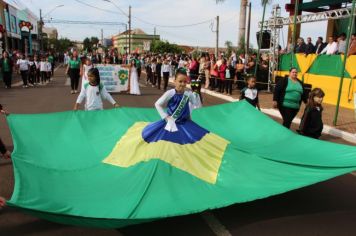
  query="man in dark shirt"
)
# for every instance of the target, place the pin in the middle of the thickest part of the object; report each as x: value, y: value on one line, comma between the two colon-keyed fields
x: 319, y: 46
x: 300, y: 47
x: 309, y: 48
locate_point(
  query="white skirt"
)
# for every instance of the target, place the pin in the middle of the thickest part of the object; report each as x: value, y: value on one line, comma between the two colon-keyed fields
x: 134, y: 85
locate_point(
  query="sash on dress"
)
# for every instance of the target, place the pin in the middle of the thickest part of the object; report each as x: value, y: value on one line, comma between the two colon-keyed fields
x: 171, y: 121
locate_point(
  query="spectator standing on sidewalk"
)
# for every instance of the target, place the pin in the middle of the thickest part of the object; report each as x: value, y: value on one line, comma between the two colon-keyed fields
x: 288, y: 96
x: 23, y: 67
x: 6, y: 65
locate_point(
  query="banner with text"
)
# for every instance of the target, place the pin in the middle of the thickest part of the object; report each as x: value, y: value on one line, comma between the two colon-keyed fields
x: 114, y: 77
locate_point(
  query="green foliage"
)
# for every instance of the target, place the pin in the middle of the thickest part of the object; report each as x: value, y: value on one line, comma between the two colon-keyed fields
x: 228, y: 45
x: 159, y: 46
x: 90, y: 44
x: 58, y: 45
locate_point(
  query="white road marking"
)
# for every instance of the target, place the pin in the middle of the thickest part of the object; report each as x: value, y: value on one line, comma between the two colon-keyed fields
x: 214, y: 224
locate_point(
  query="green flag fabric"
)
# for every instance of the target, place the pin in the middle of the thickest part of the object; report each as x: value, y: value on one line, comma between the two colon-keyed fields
x: 64, y: 171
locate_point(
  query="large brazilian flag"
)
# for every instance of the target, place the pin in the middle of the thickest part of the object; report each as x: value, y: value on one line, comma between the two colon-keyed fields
x: 94, y: 169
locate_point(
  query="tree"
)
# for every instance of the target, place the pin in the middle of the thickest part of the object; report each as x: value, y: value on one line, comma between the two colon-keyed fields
x: 159, y: 46
x: 228, y: 45
x: 242, y: 20
x: 87, y: 44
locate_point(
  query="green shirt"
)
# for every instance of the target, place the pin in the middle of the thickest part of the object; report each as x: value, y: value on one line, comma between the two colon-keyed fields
x: 50, y: 59
x: 74, y: 64
x: 6, y: 65
x: 293, y: 95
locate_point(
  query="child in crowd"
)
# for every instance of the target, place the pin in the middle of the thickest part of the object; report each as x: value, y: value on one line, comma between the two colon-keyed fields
x: 38, y: 71
x: 154, y: 75
x: 93, y: 92
x: 311, y: 124
x: 43, y: 70
x: 23, y: 66
x: 48, y: 70
x: 148, y: 71
x: 229, y: 76
x: 86, y: 67
x: 250, y: 93
x: 32, y: 71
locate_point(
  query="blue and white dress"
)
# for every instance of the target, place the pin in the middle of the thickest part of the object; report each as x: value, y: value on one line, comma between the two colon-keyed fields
x: 176, y: 124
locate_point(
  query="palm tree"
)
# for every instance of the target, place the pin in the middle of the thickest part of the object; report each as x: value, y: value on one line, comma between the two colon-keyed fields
x: 242, y: 21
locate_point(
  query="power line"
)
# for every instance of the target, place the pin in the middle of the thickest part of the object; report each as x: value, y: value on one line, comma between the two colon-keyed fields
x: 173, y: 26
x: 98, y: 8
x: 144, y: 21
x: 73, y: 22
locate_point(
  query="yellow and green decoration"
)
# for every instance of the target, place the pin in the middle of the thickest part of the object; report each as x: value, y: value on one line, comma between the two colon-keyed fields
x: 324, y: 71
x: 123, y: 76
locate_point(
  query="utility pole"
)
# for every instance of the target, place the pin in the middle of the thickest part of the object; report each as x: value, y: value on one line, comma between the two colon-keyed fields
x: 102, y: 37
x: 242, y: 23
x: 247, y: 46
x: 129, y: 29
x: 154, y: 31
x: 40, y: 29
x: 217, y: 37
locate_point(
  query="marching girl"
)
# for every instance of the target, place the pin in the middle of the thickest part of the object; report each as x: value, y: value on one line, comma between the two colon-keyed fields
x: 311, y: 124
x: 38, y: 71
x: 93, y: 92
x: 175, y: 107
x: 134, y: 85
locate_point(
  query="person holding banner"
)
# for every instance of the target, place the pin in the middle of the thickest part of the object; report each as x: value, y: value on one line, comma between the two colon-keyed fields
x: 134, y: 86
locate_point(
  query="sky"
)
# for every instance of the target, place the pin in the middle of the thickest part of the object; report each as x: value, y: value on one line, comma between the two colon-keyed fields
x: 146, y: 14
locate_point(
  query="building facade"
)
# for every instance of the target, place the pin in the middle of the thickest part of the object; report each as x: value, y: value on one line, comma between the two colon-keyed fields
x: 17, y: 37
x: 140, y: 41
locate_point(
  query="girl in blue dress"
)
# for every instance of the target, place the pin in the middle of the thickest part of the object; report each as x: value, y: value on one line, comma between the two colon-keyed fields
x: 175, y: 107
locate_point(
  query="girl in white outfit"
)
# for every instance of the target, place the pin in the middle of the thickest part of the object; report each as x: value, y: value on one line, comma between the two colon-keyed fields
x: 86, y: 67
x: 134, y: 85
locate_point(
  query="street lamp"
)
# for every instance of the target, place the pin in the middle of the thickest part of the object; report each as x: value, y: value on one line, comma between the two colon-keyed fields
x: 41, y: 23
x: 129, y: 22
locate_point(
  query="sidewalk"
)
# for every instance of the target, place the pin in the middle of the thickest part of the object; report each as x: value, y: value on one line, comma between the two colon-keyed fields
x: 345, y: 129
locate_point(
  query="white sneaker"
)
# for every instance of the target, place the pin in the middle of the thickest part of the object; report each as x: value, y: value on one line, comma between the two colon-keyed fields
x: 72, y: 91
